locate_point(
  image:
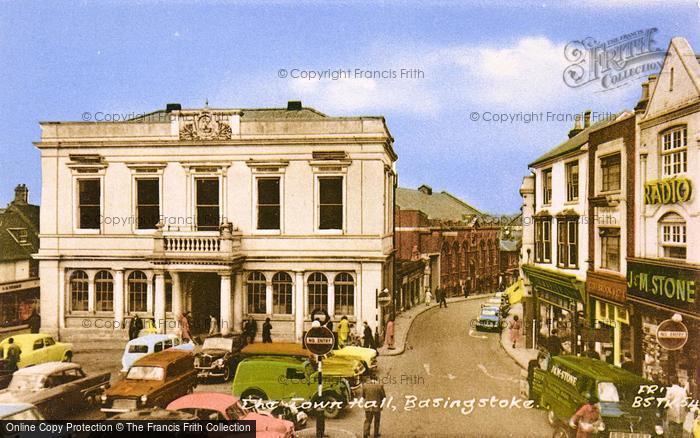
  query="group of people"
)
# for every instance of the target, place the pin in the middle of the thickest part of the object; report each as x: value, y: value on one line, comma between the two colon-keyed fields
x: 250, y: 330
x: 440, y: 297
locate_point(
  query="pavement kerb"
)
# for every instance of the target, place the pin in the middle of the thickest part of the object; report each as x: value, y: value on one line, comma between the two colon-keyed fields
x: 522, y: 360
x: 401, y: 343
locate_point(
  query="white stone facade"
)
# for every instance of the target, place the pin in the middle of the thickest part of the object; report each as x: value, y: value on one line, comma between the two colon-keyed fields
x: 325, y: 213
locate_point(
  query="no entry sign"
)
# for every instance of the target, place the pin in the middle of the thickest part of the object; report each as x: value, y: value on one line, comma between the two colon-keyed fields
x: 319, y: 340
x: 672, y: 335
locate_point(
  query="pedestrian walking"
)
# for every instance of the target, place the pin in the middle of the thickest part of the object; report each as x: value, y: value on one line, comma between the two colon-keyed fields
x: 13, y: 355
x: 465, y: 291
x: 389, y: 340
x: 184, y: 327
x: 428, y: 297
x: 515, y: 327
x: 554, y: 344
x: 251, y: 329
x: 135, y: 326
x: 34, y: 322
x: 442, y: 297
x: 586, y: 420
x: 373, y: 394
x: 343, y: 331
x: 267, y: 332
x: 213, y: 325
x: 368, y: 337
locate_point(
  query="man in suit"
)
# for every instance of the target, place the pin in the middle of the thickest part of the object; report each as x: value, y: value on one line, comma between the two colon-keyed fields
x: 373, y: 394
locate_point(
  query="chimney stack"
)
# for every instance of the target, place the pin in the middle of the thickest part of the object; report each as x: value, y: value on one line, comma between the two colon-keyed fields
x: 294, y: 105
x: 21, y: 194
x: 425, y: 189
x: 642, y: 104
x: 586, y: 119
x: 577, y: 127
x: 652, y: 83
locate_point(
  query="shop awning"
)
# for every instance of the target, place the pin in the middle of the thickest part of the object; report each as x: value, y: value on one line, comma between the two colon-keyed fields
x: 564, y: 285
x: 515, y: 292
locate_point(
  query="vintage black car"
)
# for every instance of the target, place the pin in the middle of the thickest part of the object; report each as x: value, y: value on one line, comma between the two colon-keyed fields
x: 219, y: 356
x: 57, y: 389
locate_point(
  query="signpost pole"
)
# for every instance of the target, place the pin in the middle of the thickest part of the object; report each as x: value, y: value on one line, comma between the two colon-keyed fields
x: 320, y: 414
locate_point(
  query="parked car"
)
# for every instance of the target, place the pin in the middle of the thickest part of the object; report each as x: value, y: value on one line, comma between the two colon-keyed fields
x: 38, y: 348
x: 153, y: 343
x: 158, y: 414
x: 219, y: 356
x: 55, y: 388
x: 489, y: 319
x: 154, y: 380
x: 503, y: 306
x: 568, y: 381
x: 19, y: 412
x: 285, y: 377
x: 368, y: 356
x: 217, y: 406
x: 5, y: 373
x: 333, y: 366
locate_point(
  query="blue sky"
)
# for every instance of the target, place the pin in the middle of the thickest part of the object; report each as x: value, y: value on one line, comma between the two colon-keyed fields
x: 60, y: 60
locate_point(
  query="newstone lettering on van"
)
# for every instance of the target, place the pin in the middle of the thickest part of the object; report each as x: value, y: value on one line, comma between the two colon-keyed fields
x: 564, y: 375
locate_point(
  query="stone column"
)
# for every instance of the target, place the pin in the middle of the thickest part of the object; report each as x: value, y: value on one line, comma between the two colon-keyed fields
x: 91, y: 292
x: 177, y: 297
x: 149, y: 296
x: 237, y: 303
x: 268, y: 296
x: 331, y: 297
x: 299, y: 305
x: 159, y: 303
x: 119, y: 297
x: 226, y: 304
x: 62, y: 286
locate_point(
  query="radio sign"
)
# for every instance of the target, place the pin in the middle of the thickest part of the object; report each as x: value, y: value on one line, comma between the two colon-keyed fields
x: 667, y: 191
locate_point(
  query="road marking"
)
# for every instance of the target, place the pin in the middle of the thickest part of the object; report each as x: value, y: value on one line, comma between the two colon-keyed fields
x: 449, y: 376
x: 471, y: 333
x: 506, y: 378
x: 427, y: 368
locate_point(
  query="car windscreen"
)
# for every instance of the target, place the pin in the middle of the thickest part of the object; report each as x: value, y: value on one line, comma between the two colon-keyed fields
x: 217, y: 344
x: 607, y: 392
x: 138, y: 348
x: 146, y: 373
x: 27, y: 382
x: 489, y: 312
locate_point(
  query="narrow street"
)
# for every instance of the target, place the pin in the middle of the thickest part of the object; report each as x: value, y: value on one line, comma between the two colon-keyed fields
x: 462, y: 366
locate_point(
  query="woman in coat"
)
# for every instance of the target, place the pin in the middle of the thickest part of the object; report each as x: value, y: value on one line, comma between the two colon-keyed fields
x: 428, y: 297
x: 343, y: 331
x: 390, y: 334
x: 515, y: 327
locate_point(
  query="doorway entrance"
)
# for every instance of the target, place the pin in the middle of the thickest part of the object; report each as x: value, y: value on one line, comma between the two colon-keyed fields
x: 203, y: 300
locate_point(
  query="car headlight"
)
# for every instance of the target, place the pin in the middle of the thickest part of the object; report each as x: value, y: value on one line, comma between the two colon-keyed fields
x: 601, y: 427
x: 103, y: 397
x: 144, y: 398
x: 219, y: 362
x: 196, y: 361
x: 659, y: 429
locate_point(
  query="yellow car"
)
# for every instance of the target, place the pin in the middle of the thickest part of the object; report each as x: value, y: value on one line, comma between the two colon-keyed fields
x: 38, y: 348
x: 367, y: 356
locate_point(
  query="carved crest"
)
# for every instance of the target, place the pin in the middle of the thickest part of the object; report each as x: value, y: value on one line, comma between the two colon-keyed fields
x: 205, y: 126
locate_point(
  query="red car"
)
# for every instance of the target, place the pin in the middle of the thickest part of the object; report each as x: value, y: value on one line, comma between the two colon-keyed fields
x: 219, y: 406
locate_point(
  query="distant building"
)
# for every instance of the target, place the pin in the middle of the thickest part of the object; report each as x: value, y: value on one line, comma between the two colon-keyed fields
x: 233, y: 213
x: 510, y: 242
x: 458, y: 243
x: 19, y: 272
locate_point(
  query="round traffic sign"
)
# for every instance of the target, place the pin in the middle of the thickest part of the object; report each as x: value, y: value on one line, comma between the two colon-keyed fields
x: 672, y: 335
x: 319, y: 340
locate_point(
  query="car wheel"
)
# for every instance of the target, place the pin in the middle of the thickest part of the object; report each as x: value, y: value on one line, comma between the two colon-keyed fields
x: 253, y: 394
x: 68, y: 356
x: 227, y: 373
x: 331, y: 411
x: 551, y: 417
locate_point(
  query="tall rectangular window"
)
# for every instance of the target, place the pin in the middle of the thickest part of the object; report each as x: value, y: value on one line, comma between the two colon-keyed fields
x: 572, y: 181
x: 207, y: 197
x: 543, y: 240
x: 89, y: 204
x: 610, y: 249
x: 268, y: 204
x: 567, y: 242
x: 674, y: 152
x: 147, y: 203
x: 330, y: 206
x: 547, y: 186
x: 610, y: 173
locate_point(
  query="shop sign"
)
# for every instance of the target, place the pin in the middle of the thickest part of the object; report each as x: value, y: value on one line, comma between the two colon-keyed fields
x: 667, y: 191
x: 556, y: 300
x: 670, y: 286
x: 608, y: 288
x: 19, y: 285
x: 672, y: 335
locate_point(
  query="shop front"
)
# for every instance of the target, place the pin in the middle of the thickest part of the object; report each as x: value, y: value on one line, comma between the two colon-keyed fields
x: 662, y: 291
x: 17, y: 300
x: 559, y: 303
x: 610, y: 315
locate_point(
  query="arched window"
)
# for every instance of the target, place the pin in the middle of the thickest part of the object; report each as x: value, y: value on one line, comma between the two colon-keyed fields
x: 79, y: 291
x: 344, y: 287
x: 672, y: 236
x: 104, y: 292
x: 257, y: 297
x: 318, y: 292
x: 282, y: 294
x: 138, y: 292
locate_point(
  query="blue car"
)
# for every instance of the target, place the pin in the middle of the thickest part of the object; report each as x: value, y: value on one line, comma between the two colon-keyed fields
x: 489, y: 319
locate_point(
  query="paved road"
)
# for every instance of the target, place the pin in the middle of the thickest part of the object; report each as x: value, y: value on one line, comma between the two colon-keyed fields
x: 442, y: 360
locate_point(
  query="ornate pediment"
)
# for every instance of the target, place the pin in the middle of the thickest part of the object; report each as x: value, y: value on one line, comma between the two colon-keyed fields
x: 205, y: 125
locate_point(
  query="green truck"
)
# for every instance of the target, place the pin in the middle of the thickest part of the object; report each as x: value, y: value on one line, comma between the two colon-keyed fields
x: 286, y: 378
x: 564, y: 383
